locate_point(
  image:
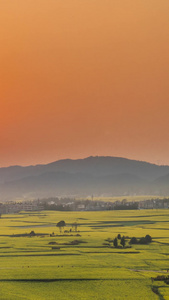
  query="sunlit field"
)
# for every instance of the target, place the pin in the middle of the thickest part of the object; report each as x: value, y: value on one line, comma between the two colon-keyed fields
x: 82, y: 264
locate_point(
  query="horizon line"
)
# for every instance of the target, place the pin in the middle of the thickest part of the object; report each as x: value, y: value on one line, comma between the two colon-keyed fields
x: 87, y: 157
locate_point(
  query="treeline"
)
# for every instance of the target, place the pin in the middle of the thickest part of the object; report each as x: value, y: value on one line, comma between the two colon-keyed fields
x: 126, y: 206
x: 142, y: 241
x: 126, y: 242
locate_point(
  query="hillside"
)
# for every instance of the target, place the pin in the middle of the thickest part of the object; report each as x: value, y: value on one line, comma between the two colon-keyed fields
x: 81, y: 177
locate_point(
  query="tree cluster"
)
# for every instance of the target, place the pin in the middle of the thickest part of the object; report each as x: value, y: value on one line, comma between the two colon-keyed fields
x: 142, y: 241
x: 62, y: 224
x: 118, y: 242
x: 121, y: 240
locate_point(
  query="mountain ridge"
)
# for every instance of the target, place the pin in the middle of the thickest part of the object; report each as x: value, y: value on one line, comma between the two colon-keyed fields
x: 93, y: 174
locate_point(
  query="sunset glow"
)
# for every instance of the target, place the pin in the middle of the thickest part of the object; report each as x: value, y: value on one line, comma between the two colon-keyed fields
x: 81, y: 78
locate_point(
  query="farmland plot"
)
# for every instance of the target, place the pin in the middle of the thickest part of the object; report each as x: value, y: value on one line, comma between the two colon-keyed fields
x: 83, y: 264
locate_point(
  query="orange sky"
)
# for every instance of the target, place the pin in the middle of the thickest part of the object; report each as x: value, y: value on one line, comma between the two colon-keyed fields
x: 81, y: 78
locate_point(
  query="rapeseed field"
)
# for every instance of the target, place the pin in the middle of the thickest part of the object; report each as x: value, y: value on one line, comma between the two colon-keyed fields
x: 37, y: 261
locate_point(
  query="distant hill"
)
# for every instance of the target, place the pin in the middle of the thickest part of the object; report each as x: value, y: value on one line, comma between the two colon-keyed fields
x: 81, y: 177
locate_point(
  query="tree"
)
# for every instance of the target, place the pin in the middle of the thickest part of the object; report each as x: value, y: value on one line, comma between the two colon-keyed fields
x: 119, y: 236
x: 142, y: 241
x: 32, y: 233
x: 133, y: 241
x: 123, y: 242
x: 61, y: 225
x: 148, y: 238
x: 115, y: 243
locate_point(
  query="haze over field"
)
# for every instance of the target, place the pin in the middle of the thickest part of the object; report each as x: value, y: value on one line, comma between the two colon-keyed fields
x: 82, y: 78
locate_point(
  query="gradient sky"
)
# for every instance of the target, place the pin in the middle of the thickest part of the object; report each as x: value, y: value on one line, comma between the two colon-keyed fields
x: 84, y: 77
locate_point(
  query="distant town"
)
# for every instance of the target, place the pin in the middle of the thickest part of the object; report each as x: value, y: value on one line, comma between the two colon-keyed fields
x: 72, y: 204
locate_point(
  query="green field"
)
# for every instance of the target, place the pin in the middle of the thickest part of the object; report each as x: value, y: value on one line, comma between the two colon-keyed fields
x: 33, y: 268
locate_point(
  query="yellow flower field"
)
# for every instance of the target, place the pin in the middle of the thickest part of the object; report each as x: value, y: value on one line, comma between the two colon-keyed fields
x: 82, y: 264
